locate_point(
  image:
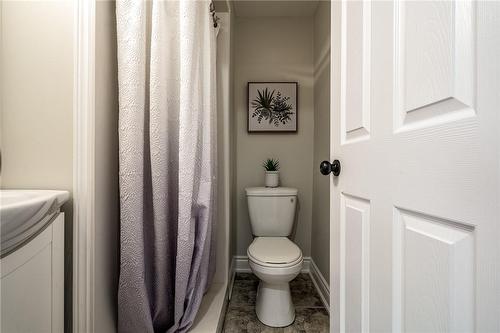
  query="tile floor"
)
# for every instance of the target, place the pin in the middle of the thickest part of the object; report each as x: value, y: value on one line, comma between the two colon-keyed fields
x: 311, y: 315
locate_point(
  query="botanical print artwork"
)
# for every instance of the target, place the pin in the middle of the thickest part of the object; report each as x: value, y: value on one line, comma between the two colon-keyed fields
x: 272, y: 106
x: 275, y: 109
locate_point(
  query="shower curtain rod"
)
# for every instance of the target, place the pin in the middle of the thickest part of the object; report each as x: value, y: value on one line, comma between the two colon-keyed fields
x: 215, y: 18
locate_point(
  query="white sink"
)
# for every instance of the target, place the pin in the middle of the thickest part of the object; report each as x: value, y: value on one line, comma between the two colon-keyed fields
x: 23, y: 213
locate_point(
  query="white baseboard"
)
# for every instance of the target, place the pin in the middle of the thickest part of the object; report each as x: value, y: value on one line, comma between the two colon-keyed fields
x: 232, y: 274
x: 240, y: 265
x: 321, y: 285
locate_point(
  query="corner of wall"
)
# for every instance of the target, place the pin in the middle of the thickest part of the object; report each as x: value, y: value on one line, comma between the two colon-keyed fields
x: 320, y: 236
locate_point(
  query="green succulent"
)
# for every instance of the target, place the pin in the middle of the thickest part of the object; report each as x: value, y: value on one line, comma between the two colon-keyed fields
x: 271, y: 164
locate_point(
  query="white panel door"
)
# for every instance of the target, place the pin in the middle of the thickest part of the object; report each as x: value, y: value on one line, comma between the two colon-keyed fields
x: 415, y: 211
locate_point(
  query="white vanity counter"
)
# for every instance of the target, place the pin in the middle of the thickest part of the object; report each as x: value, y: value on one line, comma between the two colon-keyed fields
x: 24, y: 213
x: 32, y: 263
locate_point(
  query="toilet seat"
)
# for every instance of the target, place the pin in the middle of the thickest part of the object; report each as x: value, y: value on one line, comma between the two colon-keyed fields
x: 279, y: 252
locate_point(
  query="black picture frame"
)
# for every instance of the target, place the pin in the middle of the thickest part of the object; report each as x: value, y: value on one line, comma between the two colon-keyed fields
x: 289, y: 91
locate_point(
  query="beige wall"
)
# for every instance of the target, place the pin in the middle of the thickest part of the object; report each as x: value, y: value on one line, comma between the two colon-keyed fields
x: 36, y: 129
x: 106, y: 170
x: 274, y: 49
x: 320, y: 235
x: 37, y: 94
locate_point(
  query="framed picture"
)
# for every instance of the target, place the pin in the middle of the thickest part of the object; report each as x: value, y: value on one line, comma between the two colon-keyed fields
x: 272, y: 107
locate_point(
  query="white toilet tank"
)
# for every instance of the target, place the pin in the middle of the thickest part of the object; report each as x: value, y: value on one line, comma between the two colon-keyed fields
x: 272, y: 210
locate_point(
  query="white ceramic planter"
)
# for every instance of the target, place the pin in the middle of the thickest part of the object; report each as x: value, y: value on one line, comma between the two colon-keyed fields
x: 272, y: 178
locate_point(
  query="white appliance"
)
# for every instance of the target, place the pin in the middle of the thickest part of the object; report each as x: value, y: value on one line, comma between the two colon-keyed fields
x: 273, y: 258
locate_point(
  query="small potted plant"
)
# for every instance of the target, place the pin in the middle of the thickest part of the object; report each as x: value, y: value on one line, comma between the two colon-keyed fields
x: 272, y: 167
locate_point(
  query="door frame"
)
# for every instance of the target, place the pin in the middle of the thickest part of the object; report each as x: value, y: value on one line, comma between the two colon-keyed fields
x: 335, y: 68
x: 83, y: 165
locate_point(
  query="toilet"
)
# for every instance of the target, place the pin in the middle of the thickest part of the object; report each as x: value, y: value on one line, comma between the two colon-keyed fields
x: 272, y: 256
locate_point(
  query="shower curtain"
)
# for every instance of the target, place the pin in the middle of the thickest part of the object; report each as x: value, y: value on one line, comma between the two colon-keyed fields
x: 166, y: 76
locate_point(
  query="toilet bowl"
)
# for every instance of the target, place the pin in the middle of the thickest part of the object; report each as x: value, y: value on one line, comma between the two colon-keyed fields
x: 275, y: 261
x: 273, y: 258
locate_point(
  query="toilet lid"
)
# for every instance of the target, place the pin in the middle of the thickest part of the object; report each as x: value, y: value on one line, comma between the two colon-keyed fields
x: 274, y: 250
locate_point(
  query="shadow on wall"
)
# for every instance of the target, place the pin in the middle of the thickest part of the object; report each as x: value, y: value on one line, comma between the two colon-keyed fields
x: 296, y: 219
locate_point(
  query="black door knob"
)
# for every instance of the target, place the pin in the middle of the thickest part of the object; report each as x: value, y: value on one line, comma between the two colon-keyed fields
x: 326, y: 167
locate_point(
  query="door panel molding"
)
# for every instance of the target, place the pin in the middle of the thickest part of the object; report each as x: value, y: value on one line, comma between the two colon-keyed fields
x: 355, y: 263
x: 433, y: 274
x: 434, y: 63
x: 355, y: 82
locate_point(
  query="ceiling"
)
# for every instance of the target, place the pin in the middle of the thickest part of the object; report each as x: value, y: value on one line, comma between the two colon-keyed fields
x: 276, y: 8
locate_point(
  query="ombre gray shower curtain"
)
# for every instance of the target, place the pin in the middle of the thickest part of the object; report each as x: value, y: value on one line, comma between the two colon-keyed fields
x: 166, y: 76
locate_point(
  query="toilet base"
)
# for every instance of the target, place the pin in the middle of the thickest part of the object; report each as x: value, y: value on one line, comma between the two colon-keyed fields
x: 274, y: 305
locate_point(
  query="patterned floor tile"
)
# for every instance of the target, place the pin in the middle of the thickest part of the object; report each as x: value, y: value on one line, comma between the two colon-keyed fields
x: 309, y: 320
x: 304, y: 293
x: 244, y: 292
x: 244, y: 320
x: 310, y: 314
